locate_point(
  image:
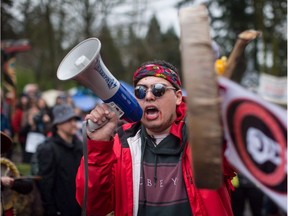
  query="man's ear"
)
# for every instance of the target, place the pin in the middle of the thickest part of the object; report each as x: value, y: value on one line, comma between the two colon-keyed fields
x: 178, y: 96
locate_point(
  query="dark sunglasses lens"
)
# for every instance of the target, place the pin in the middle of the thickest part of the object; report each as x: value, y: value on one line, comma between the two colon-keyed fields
x: 140, y: 92
x: 158, y: 90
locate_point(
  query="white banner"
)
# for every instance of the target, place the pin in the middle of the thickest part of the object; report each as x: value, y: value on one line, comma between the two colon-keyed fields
x: 256, y: 132
x: 273, y: 88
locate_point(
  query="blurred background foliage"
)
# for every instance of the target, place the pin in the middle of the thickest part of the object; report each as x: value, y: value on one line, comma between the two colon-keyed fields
x: 55, y: 27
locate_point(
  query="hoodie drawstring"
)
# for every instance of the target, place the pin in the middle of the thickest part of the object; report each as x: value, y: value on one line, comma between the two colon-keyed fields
x: 142, y: 169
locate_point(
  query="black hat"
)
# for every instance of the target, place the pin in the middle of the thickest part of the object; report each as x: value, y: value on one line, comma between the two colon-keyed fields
x: 62, y: 113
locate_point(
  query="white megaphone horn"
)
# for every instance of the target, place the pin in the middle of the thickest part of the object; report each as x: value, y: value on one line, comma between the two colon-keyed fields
x: 84, y: 64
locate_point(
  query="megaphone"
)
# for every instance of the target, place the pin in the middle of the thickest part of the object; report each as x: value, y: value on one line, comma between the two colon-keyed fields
x: 84, y: 64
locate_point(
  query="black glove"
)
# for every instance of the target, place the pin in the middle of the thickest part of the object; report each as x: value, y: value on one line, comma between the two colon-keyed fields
x: 23, y: 186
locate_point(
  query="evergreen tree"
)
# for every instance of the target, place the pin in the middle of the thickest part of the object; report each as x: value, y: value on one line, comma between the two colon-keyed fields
x: 110, y: 54
x: 153, y: 40
x: 8, y: 22
x: 134, y: 53
x: 170, y: 47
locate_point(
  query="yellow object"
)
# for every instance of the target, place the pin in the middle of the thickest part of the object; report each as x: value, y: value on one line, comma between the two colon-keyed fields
x: 8, y: 168
x: 220, y: 65
x: 235, y: 181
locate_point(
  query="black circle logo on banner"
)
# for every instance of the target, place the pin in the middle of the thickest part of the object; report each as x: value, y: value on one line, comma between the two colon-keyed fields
x: 260, y: 140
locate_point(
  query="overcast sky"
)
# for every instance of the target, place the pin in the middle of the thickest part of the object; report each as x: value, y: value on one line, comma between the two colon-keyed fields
x: 165, y: 11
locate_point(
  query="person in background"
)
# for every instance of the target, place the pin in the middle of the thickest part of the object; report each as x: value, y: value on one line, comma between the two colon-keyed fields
x: 32, y: 90
x: 36, y: 119
x: 61, y: 99
x: 43, y: 119
x: 9, y: 181
x: 58, y: 159
x: 6, y: 126
x: 21, y: 106
x: 5, y: 119
x: 246, y: 192
x: 145, y: 168
x: 28, y: 124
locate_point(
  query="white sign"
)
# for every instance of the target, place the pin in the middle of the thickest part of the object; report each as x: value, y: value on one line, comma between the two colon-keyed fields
x: 273, y: 88
x: 33, y: 140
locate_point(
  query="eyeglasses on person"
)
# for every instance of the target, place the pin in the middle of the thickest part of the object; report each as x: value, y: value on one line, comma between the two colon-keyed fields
x: 158, y: 90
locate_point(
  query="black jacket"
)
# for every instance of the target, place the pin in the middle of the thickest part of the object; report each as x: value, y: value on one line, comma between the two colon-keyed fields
x: 58, y: 163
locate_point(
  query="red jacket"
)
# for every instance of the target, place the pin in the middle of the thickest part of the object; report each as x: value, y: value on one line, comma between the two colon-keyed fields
x: 17, y: 120
x: 110, y: 186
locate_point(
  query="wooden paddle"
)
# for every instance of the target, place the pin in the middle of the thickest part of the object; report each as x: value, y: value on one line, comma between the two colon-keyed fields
x: 234, y: 60
x: 200, y: 81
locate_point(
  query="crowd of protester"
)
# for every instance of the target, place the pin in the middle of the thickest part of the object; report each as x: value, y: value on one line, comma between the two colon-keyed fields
x: 30, y: 113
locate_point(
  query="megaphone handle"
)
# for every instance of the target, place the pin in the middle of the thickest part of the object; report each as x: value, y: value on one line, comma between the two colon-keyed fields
x: 91, y: 126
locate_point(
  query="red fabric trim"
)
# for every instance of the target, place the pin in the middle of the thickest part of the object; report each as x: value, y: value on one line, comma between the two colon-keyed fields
x: 176, y: 128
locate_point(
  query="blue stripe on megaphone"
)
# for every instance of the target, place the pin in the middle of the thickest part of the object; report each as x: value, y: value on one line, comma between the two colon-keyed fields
x: 127, y: 103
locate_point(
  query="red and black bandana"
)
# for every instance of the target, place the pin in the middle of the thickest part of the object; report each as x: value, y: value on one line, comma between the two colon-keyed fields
x: 157, y: 71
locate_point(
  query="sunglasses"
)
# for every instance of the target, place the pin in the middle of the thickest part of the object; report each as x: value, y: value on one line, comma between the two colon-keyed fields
x: 157, y: 90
